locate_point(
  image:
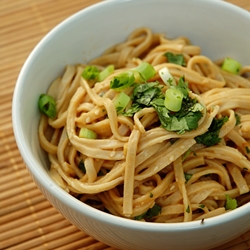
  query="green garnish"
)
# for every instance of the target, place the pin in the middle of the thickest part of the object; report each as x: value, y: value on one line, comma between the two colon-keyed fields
x: 166, y: 77
x: 247, y: 150
x: 211, y: 137
x: 105, y: 73
x: 47, y: 105
x: 188, y: 209
x: 87, y: 133
x: 122, y: 81
x: 145, y: 70
x: 201, y: 206
x: 154, y: 211
x: 187, y: 176
x: 90, y: 73
x: 173, y: 99
x: 141, y: 73
x: 150, y: 95
x: 175, y: 58
x: 230, y: 203
x: 237, y: 117
x: 121, y: 102
x: 144, y: 94
x: 231, y: 65
x: 81, y: 166
x: 151, y: 195
x: 187, y: 118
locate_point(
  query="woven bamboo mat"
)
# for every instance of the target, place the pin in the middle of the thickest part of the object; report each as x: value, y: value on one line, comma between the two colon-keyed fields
x: 27, y: 220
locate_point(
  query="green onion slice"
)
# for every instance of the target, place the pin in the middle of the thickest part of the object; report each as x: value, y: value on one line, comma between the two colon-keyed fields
x: 230, y: 203
x: 145, y: 70
x: 47, y: 105
x: 90, y: 72
x: 87, y: 133
x: 121, y: 102
x: 105, y: 73
x: 231, y: 65
x: 173, y: 99
x: 166, y: 77
x: 122, y: 81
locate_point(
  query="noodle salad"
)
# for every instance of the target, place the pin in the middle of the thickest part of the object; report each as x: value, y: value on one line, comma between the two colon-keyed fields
x: 151, y: 130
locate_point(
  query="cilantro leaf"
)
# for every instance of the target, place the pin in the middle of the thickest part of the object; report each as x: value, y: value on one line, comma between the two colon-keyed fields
x: 192, y: 119
x: 152, y: 212
x: 143, y: 95
x: 175, y: 58
x: 187, y: 176
x: 150, y: 95
x: 211, y: 137
x: 122, y: 81
x: 183, y: 87
x: 237, y: 117
x: 81, y: 166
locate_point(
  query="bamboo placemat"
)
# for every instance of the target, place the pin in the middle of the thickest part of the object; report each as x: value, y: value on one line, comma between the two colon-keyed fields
x: 27, y: 220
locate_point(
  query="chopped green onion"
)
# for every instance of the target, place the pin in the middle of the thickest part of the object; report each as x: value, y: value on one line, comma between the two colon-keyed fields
x: 173, y: 99
x: 87, y: 133
x: 145, y: 70
x: 122, y: 81
x: 105, y: 73
x: 166, y: 77
x: 230, y: 203
x: 121, y: 102
x: 231, y: 65
x: 47, y: 105
x: 90, y: 72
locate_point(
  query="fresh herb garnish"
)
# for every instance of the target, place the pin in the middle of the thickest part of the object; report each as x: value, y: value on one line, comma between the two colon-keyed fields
x: 187, y: 176
x: 175, y: 58
x: 87, y: 133
x: 141, y: 73
x: 187, y: 118
x: 231, y: 65
x: 230, y: 203
x: 121, y: 102
x: 211, y: 137
x: 105, y: 73
x: 237, y: 117
x: 47, y: 105
x: 154, y: 211
x: 122, y: 81
x: 90, y: 72
x: 247, y: 150
x: 144, y: 94
x: 150, y: 95
x: 81, y: 166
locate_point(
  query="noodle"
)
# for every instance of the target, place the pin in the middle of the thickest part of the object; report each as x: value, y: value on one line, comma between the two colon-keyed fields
x: 136, y: 168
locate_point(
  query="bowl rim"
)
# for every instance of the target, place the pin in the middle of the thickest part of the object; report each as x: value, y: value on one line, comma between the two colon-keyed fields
x: 43, y: 178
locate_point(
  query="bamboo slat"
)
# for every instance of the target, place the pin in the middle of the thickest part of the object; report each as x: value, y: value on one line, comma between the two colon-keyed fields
x: 27, y: 220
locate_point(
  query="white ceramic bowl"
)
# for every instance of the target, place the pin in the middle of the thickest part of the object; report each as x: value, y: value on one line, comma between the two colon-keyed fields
x: 218, y: 27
